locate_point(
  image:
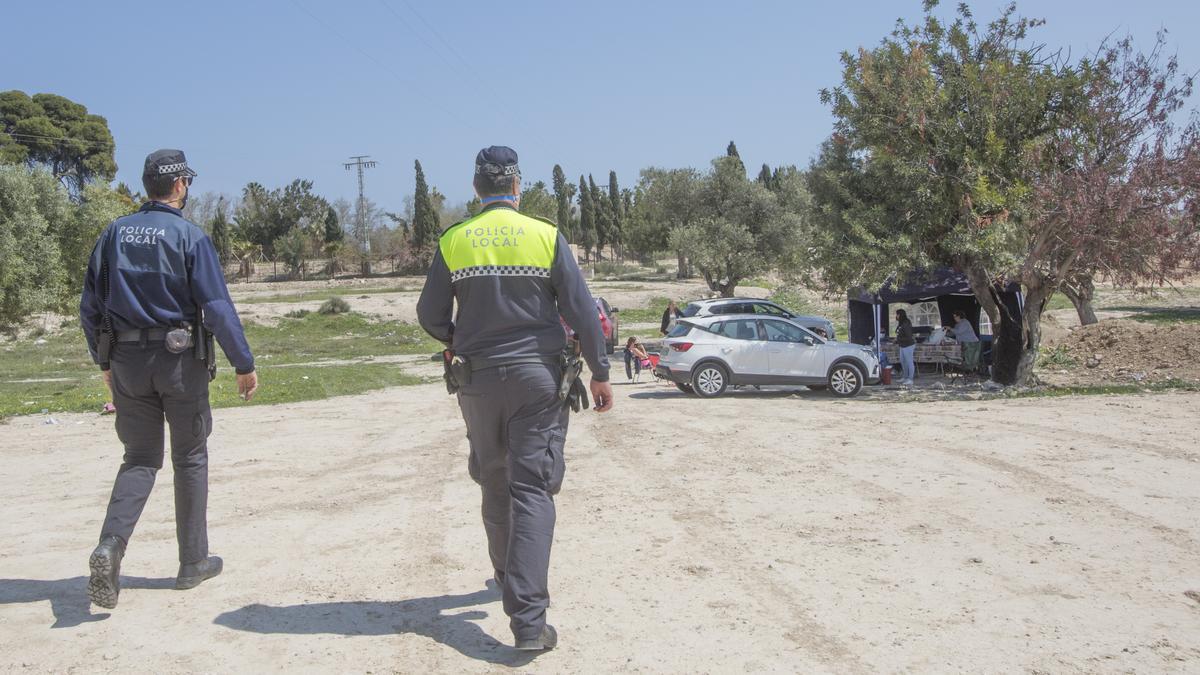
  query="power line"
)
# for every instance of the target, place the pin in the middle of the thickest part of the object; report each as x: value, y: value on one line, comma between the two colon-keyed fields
x: 379, y: 63
x: 61, y: 139
x: 441, y: 39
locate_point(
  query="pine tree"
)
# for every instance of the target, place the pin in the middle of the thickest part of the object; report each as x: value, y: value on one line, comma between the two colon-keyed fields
x: 563, y: 197
x: 425, y: 218
x: 220, y: 234
x: 474, y: 207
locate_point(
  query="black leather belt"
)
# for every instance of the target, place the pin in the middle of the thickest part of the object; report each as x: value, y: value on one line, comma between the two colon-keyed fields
x: 152, y: 335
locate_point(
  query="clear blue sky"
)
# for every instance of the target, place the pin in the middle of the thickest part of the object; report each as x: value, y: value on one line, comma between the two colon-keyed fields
x: 274, y: 90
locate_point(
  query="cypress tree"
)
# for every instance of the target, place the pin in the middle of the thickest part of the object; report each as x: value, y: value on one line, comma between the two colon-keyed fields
x: 564, y: 202
x: 425, y: 218
x: 587, y: 218
x: 220, y: 233
x: 764, y: 176
x: 616, y: 209
x: 731, y: 151
x: 600, y: 216
x: 333, y: 230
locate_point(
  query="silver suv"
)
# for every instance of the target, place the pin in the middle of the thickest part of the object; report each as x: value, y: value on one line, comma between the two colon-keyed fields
x: 715, y: 306
x: 705, y: 355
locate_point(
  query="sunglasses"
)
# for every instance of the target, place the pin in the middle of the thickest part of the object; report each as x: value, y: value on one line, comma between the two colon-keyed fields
x: 186, y: 179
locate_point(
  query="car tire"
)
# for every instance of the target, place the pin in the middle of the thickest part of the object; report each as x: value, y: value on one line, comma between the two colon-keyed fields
x: 709, y: 380
x: 845, y: 380
x: 685, y: 388
x: 817, y: 387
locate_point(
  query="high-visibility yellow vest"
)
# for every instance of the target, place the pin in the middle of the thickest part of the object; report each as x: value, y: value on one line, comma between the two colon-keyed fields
x: 499, y: 242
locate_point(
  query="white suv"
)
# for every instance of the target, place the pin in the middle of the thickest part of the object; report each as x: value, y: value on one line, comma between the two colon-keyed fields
x: 715, y: 306
x: 705, y: 355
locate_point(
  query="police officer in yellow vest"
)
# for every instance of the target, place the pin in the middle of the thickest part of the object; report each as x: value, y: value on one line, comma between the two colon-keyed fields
x: 512, y: 277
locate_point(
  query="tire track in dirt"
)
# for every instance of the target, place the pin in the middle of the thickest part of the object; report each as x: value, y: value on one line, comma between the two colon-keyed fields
x: 725, y: 549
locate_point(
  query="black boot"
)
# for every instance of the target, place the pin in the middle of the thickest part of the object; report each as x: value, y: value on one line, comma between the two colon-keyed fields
x: 104, y: 585
x: 547, y: 640
x: 192, y: 574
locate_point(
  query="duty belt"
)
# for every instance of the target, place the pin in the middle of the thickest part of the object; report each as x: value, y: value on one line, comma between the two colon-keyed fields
x: 152, y: 335
x: 480, y: 363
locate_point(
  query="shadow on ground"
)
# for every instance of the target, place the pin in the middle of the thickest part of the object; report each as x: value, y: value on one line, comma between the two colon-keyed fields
x: 420, y: 616
x: 68, y: 597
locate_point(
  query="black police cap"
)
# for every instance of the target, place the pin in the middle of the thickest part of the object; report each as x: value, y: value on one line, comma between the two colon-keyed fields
x: 167, y: 163
x: 497, y: 160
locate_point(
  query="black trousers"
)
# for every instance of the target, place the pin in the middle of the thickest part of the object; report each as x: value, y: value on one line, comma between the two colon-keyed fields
x: 517, y: 427
x: 151, y: 384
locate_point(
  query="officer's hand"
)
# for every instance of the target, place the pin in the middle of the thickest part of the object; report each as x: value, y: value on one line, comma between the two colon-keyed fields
x: 602, y: 396
x: 247, y: 385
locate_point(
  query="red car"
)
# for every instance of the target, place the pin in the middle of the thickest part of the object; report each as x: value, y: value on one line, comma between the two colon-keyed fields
x: 608, y: 324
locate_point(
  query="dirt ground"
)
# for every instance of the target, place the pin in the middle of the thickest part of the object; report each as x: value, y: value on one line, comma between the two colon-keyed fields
x: 760, y: 532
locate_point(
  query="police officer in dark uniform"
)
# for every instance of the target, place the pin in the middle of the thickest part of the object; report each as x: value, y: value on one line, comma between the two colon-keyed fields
x: 154, y: 287
x: 512, y: 277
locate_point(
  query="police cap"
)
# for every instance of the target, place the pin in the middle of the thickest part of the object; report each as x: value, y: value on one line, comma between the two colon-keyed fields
x: 166, y: 163
x: 497, y: 160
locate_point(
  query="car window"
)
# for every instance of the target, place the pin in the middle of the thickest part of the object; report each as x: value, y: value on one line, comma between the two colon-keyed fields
x: 681, y: 329
x: 691, y: 310
x: 741, y: 329
x: 768, y: 308
x: 779, y: 331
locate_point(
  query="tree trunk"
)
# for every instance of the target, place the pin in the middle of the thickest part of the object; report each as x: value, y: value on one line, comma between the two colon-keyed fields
x: 681, y: 271
x: 1081, y: 291
x: 1016, y: 338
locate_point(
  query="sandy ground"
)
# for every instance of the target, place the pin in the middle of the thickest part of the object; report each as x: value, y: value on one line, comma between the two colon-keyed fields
x: 758, y: 532
x: 402, y: 305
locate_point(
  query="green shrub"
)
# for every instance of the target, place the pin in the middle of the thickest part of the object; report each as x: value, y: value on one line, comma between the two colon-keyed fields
x: 1057, y: 356
x: 299, y: 314
x: 334, y: 305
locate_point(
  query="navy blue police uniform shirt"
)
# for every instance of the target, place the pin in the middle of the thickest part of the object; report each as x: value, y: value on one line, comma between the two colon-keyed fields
x: 160, y: 268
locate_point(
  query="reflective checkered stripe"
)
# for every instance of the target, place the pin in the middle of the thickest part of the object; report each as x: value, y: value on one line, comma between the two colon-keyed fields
x: 499, y: 243
x: 500, y: 271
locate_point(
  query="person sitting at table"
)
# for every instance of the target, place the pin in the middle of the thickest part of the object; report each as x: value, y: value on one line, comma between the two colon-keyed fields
x: 634, y: 351
x: 965, y: 335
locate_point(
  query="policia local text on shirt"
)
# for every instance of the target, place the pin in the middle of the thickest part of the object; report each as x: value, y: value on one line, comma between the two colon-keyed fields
x: 153, y: 295
x: 512, y: 276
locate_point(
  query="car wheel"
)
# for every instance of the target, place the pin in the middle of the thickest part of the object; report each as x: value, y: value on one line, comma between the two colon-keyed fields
x: 845, y: 380
x: 817, y: 387
x: 710, y: 380
x: 685, y: 388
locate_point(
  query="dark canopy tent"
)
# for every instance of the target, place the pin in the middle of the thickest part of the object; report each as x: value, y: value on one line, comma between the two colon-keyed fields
x: 870, y: 318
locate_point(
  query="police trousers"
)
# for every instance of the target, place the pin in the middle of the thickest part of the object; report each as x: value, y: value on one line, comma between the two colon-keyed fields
x: 517, y: 426
x: 151, y: 384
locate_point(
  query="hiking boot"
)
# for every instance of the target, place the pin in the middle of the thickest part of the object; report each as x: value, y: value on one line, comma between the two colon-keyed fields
x: 192, y: 575
x: 546, y: 641
x: 104, y: 585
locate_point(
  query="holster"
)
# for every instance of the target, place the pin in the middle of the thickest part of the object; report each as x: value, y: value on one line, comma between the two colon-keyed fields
x: 104, y: 343
x: 456, y: 371
x: 204, y: 348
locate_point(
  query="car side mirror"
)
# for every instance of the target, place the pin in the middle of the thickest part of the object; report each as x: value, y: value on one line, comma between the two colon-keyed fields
x: 809, y: 341
x: 614, y: 309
